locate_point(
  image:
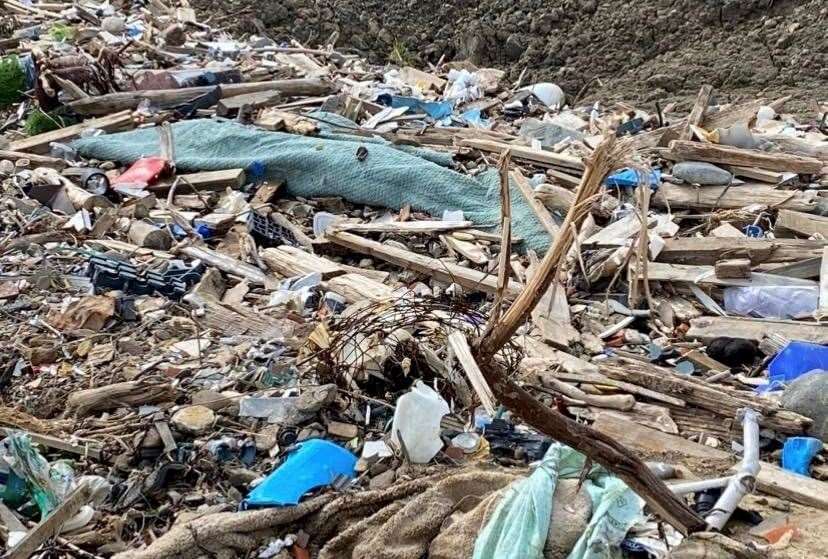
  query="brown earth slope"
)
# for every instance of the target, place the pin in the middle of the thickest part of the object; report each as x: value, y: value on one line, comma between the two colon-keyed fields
x: 637, y: 50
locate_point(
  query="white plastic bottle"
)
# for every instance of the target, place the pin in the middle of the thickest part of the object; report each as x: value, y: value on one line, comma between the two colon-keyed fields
x: 417, y: 420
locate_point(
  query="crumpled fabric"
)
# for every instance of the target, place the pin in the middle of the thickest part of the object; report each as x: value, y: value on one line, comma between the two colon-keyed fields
x: 519, y: 526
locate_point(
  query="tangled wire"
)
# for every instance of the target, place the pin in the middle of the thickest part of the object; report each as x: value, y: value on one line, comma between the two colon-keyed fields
x: 392, y: 337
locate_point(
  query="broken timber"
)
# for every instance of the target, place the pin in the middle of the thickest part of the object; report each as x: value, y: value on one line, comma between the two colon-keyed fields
x: 708, y: 327
x: 681, y: 150
x: 39, y: 144
x: 442, y: 271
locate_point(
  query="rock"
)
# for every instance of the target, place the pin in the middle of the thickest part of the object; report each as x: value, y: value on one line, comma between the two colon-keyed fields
x: 701, y: 173
x: 194, y: 420
x: 313, y: 399
x: 342, y: 430
x: 240, y: 477
x: 383, y: 480
x: 113, y: 24
x: 6, y: 168
x: 808, y: 395
x: 174, y: 35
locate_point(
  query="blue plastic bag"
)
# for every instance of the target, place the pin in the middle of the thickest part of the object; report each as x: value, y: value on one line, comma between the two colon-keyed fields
x: 630, y: 178
x: 798, y: 453
x: 315, y: 463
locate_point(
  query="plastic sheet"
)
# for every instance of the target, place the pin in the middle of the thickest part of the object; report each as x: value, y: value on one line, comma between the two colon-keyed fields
x: 520, y: 524
x: 798, y: 453
x: 772, y: 301
x: 315, y: 463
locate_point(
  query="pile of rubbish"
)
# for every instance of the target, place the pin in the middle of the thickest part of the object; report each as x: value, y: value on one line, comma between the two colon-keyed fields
x: 265, y: 300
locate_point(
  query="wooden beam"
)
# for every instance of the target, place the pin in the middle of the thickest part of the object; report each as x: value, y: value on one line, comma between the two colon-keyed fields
x: 802, y: 223
x: 39, y: 144
x: 442, y: 271
x: 93, y: 451
x: 706, y: 275
x: 523, y: 152
x: 290, y: 261
x: 227, y: 264
x: 709, y: 250
x: 50, y: 526
x: 34, y: 159
x: 697, y: 113
x: 804, y: 269
x: 681, y: 150
x: 686, y: 197
x: 707, y: 328
x: 402, y: 227
x: 165, y: 98
x: 356, y: 287
x: 216, y: 181
x: 537, y: 206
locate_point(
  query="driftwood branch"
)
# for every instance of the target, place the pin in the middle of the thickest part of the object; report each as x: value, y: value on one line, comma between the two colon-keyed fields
x: 600, y: 448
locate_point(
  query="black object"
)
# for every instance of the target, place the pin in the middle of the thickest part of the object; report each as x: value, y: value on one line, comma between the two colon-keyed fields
x: 706, y: 500
x: 267, y: 232
x: 631, y: 127
x: 506, y: 442
x: 109, y: 273
x: 732, y: 351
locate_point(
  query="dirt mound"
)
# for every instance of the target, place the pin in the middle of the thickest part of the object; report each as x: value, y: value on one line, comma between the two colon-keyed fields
x: 611, y: 49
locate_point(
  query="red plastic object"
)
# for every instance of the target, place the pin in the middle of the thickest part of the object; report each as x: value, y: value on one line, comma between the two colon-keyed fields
x: 144, y: 172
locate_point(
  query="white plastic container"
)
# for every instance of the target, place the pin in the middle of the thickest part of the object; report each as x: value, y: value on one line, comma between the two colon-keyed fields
x: 417, y: 420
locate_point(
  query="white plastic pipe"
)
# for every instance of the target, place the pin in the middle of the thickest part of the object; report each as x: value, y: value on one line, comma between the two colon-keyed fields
x: 702, y: 485
x: 743, y: 481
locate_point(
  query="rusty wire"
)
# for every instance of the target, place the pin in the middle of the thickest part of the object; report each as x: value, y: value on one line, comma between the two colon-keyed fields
x: 429, y: 321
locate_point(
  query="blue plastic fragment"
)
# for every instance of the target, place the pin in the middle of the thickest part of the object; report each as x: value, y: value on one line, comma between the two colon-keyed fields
x: 795, y: 359
x: 798, y: 453
x: 754, y: 231
x: 630, y: 178
x: 436, y: 110
x: 315, y: 463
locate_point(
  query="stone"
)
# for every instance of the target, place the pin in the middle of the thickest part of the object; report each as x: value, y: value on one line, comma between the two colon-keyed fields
x: 808, y: 395
x: 383, y: 480
x: 194, y: 420
x: 342, y: 430
x: 313, y: 399
x: 113, y: 24
x: 701, y: 173
x: 174, y: 35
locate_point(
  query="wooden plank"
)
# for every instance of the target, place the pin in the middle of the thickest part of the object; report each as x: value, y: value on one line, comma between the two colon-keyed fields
x: 771, y: 479
x: 697, y: 112
x: 36, y: 160
x: 93, y: 451
x: 682, y: 150
x: 762, y: 175
x: 290, y: 261
x: 165, y: 98
x: 804, y: 269
x: 733, y: 268
x: 39, y: 144
x: 458, y: 344
x: 442, y: 271
x: 537, y: 206
x: 802, y: 223
x: 216, y: 181
x: 402, y: 227
x: 823, y: 285
x: 706, y: 275
x: 603, y: 380
x: 686, y: 197
x: 708, y: 327
x: 356, y: 287
x: 50, y: 526
x: 707, y: 250
x: 527, y: 153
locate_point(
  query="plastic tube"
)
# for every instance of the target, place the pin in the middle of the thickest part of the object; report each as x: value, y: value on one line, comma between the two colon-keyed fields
x: 701, y: 485
x: 744, y: 480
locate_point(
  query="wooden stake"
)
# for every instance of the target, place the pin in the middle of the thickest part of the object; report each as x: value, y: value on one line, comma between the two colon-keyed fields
x: 697, y: 114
